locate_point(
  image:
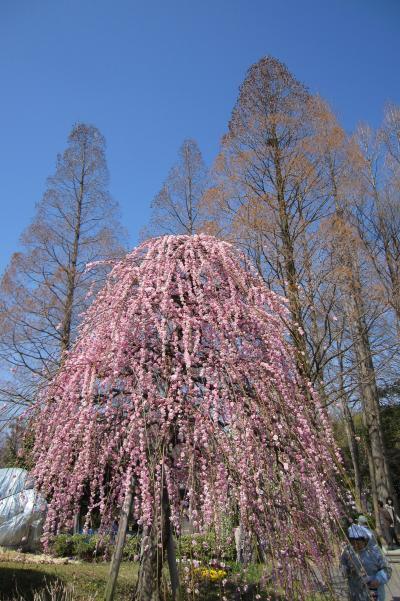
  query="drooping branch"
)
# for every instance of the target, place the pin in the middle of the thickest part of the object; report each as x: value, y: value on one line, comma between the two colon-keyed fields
x: 182, y: 379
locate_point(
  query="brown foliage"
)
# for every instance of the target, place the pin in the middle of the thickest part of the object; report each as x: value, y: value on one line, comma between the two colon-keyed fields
x: 45, y: 286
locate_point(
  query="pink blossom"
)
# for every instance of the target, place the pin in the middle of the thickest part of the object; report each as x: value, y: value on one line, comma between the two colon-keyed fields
x: 181, y: 379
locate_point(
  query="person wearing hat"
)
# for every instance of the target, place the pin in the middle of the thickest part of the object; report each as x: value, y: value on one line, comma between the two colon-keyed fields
x: 364, y: 566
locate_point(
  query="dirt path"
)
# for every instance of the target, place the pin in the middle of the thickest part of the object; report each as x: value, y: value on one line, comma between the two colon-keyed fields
x: 393, y: 586
x: 7, y: 555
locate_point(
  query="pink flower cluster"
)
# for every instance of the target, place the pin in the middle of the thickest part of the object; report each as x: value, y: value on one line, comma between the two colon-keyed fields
x: 182, y: 377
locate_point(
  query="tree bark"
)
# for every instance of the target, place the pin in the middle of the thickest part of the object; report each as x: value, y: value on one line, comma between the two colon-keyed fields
x: 294, y: 302
x: 150, y: 565
x: 369, y: 390
x: 71, y: 276
x: 355, y: 309
x: 351, y: 438
x: 374, y: 491
x: 171, y: 550
x: 119, y: 546
x: 157, y: 541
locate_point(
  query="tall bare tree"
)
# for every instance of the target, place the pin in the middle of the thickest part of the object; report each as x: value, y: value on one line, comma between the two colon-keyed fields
x: 285, y: 188
x: 342, y: 162
x: 269, y: 196
x: 176, y: 207
x: 46, y: 285
x: 378, y: 204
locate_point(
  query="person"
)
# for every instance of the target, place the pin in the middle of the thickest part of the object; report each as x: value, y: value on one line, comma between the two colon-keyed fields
x: 364, y: 566
x: 385, y: 520
x: 393, y: 519
x: 114, y: 530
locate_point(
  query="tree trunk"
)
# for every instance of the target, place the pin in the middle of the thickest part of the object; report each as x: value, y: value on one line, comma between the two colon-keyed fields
x: 381, y: 485
x: 72, y: 269
x: 157, y: 541
x: 374, y: 492
x: 370, y: 398
x: 290, y: 270
x: 150, y: 565
x: 238, y: 533
x: 172, y: 565
x: 351, y: 438
x: 355, y: 309
x: 119, y: 546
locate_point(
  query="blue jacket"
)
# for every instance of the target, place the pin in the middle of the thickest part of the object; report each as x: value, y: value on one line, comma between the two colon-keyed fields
x: 361, y: 568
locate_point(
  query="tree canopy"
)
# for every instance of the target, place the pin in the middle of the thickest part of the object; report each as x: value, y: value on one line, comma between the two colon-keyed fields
x: 182, y: 381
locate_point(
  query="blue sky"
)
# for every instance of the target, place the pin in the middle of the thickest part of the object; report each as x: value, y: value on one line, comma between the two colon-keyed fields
x: 149, y: 73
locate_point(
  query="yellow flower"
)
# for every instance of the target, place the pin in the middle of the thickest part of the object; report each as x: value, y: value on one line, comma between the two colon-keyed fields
x: 210, y: 573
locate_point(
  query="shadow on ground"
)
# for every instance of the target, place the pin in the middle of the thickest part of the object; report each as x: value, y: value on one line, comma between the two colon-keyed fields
x: 15, y: 582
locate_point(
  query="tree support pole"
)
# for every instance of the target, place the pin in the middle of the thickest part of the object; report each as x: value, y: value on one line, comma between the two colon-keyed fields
x: 75, y: 527
x: 119, y: 546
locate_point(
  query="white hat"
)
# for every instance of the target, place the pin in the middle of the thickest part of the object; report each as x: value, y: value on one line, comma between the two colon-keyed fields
x: 358, y: 532
x: 362, y: 520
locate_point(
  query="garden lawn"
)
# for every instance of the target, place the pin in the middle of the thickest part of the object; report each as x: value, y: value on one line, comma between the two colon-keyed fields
x: 22, y: 575
x: 87, y: 579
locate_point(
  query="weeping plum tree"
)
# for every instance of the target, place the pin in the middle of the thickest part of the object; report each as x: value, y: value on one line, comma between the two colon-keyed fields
x: 182, y: 379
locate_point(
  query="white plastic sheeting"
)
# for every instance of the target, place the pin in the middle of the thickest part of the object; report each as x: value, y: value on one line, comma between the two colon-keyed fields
x: 22, y: 510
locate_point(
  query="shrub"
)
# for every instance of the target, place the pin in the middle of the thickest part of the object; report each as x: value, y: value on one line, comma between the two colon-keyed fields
x: 62, y: 545
x: 205, y: 547
x: 86, y: 547
x: 131, y: 548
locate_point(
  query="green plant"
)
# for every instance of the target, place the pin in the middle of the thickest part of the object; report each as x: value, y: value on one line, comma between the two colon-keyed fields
x: 131, y: 548
x: 19, y: 580
x: 86, y: 547
x: 205, y: 547
x: 62, y: 545
x: 91, y: 547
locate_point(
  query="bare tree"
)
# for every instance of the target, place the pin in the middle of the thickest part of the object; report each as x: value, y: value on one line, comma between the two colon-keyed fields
x: 12, y: 442
x: 353, y: 278
x: 269, y: 197
x: 285, y: 188
x: 176, y: 208
x: 46, y: 285
x: 378, y: 204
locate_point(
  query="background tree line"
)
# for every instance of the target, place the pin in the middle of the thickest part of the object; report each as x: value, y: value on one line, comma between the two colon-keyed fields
x: 314, y: 208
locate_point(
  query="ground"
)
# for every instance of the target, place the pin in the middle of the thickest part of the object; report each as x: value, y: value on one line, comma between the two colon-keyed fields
x: 87, y: 579
x: 23, y: 574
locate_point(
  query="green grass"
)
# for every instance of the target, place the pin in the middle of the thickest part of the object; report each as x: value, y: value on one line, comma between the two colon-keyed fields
x: 87, y: 579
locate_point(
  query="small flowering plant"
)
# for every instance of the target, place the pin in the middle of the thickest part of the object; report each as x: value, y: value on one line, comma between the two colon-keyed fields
x: 210, y: 573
